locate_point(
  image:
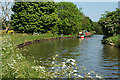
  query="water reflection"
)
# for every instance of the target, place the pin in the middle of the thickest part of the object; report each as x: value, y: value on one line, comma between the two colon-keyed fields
x: 110, y: 60
x: 89, y: 52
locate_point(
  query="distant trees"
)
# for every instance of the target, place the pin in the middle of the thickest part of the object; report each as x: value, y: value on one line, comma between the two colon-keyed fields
x: 110, y: 23
x: 58, y: 18
x: 87, y: 24
x: 98, y: 28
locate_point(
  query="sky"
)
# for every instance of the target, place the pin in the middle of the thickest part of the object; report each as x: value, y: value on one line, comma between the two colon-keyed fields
x: 94, y: 10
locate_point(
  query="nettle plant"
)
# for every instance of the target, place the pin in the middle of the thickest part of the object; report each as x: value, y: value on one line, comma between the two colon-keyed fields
x: 15, y: 65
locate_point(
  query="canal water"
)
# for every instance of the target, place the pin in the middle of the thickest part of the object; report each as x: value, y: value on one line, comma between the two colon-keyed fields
x: 88, y: 52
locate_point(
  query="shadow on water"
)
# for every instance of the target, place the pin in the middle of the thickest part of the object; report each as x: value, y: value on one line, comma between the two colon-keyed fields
x: 89, y: 52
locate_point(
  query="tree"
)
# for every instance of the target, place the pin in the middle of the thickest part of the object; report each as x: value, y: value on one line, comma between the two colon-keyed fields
x: 87, y: 24
x: 71, y: 20
x: 30, y: 17
x: 5, y: 8
x: 110, y: 23
x: 98, y: 28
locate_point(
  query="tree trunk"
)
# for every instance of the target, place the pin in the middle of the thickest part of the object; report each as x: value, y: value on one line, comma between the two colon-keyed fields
x: 6, y: 30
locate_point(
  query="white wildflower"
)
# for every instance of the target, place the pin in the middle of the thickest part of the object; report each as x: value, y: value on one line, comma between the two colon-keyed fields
x: 40, y: 61
x: 53, y: 58
x: 63, y: 62
x: 36, y: 69
x: 53, y: 62
x: 11, y: 64
x: 71, y: 71
x: 89, y: 73
x: 56, y: 55
x: 63, y: 66
x: 89, y: 76
x: 84, y: 69
x: 52, y: 67
x: 14, y: 61
x: 68, y: 67
x: 32, y: 67
x: 72, y: 60
x: 73, y: 63
x: 74, y: 70
x: 64, y: 59
x: 75, y: 74
x: 68, y: 60
x: 98, y: 76
x: 80, y: 76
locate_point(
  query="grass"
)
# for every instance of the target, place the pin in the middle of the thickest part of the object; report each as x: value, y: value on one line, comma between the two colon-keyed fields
x: 21, y: 38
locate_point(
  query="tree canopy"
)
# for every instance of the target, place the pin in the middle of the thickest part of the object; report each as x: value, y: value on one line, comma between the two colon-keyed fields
x: 70, y: 16
x: 110, y: 23
x: 30, y: 17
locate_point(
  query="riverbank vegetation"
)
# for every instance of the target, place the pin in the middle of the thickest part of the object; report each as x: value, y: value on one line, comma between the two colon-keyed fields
x: 15, y: 65
x: 23, y: 37
x: 110, y: 23
x: 113, y: 41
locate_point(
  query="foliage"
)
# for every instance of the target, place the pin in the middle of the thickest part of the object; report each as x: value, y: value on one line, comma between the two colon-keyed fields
x: 115, y: 40
x: 14, y: 65
x: 71, y: 18
x: 98, y: 28
x: 87, y: 24
x: 110, y: 23
x: 30, y: 17
x: 44, y: 17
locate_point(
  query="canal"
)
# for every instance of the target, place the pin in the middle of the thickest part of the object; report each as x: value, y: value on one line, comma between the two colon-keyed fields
x: 88, y: 52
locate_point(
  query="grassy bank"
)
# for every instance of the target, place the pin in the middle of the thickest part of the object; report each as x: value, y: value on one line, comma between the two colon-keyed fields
x: 21, y: 38
x: 113, y: 41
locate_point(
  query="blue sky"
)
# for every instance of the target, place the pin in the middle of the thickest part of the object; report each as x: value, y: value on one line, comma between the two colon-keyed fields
x: 95, y: 9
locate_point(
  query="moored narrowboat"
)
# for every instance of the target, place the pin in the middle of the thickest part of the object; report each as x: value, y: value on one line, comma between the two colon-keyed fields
x: 84, y: 34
